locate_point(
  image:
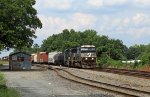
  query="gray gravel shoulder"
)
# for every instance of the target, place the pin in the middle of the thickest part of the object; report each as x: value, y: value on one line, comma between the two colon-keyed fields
x: 47, y: 84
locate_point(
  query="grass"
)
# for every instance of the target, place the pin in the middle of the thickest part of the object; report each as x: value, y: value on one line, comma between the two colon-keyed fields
x: 118, y: 64
x: 5, y: 91
x: 3, y: 62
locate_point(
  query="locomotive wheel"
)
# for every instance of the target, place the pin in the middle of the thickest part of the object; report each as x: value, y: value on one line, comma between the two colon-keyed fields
x: 77, y: 64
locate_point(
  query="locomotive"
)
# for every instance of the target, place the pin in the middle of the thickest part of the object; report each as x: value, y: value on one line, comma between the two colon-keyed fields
x: 83, y: 56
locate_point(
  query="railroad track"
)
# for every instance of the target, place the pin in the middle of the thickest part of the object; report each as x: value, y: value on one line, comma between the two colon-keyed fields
x: 135, y: 73
x: 127, y: 92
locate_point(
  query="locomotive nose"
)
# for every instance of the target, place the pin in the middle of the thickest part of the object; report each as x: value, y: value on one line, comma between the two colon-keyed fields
x: 89, y: 54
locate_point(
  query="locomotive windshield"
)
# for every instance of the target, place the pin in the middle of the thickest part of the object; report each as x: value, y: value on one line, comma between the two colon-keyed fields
x: 88, y: 49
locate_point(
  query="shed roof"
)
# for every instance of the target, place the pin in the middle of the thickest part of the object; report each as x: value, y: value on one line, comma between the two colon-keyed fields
x: 19, y: 52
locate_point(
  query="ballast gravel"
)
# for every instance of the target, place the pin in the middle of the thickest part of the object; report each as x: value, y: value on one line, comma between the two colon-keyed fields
x: 46, y: 83
x: 115, y: 79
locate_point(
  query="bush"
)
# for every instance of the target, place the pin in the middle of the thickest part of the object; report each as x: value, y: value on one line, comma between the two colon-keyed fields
x: 145, y: 58
x: 115, y: 63
x: 103, y: 60
x: 106, y: 61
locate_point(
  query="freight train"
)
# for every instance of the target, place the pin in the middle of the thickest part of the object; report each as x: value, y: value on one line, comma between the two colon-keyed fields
x: 83, y: 56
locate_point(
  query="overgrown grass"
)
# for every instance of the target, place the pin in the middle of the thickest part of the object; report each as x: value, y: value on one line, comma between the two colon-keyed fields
x: 2, y: 80
x: 3, y: 62
x: 5, y: 91
x: 108, y: 62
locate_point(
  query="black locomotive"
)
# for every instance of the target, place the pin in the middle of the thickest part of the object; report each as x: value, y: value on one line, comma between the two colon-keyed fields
x: 83, y: 56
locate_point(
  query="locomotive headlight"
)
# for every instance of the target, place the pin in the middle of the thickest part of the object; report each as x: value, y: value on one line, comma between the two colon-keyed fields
x: 92, y: 58
x: 86, y: 58
x: 69, y: 58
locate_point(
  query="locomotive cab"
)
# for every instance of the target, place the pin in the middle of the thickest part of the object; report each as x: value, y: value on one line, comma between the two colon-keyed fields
x: 88, y: 56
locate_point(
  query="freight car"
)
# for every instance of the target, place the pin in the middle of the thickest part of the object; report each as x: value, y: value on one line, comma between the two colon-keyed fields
x: 83, y: 56
x: 33, y: 58
x: 56, y: 58
x: 42, y: 57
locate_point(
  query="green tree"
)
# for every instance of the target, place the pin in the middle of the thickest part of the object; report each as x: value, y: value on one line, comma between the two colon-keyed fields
x: 145, y: 56
x: 135, y: 51
x: 18, y: 23
x: 34, y: 49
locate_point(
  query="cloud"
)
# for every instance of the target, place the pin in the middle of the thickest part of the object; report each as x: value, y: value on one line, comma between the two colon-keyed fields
x: 141, y: 2
x: 131, y: 26
x: 115, y: 2
x: 54, y: 4
x: 137, y: 20
x: 54, y: 25
x: 140, y: 18
x: 135, y: 26
x: 135, y: 33
x: 51, y: 25
x: 81, y: 19
x: 105, y: 3
x: 111, y: 3
x: 95, y: 3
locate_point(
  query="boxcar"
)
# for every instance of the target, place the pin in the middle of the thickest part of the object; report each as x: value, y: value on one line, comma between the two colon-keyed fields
x: 32, y: 58
x: 42, y: 57
x: 19, y: 61
x: 35, y: 58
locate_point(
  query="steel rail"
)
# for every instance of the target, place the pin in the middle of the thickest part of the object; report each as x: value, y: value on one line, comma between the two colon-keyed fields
x: 133, y: 92
x: 128, y: 92
x: 135, y: 73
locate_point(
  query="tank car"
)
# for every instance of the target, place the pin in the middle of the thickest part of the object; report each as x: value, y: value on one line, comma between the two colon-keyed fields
x: 56, y: 58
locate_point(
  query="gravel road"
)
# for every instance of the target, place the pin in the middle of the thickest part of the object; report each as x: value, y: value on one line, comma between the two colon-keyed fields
x: 46, y: 83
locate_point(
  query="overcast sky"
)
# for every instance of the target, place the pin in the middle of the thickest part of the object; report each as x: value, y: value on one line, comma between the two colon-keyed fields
x: 127, y: 20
